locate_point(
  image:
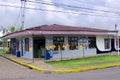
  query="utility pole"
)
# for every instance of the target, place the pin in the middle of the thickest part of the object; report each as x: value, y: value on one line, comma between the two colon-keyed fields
x: 23, y: 5
x: 117, y: 38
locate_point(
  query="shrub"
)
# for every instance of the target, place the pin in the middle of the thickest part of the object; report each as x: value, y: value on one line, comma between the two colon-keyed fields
x: 4, y: 50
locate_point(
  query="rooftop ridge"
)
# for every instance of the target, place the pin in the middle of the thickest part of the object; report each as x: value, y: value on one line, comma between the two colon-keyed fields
x: 57, y: 27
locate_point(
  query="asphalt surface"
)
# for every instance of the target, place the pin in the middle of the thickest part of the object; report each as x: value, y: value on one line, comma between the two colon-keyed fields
x: 13, y: 71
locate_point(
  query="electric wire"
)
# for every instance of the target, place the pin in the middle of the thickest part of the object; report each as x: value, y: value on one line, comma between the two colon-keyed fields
x: 58, y: 11
x: 88, y: 2
x: 18, y: 17
x: 78, y: 7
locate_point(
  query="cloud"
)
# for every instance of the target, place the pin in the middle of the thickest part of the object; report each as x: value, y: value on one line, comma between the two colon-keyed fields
x: 75, y: 19
x: 113, y: 3
x: 8, y: 16
x: 52, y: 17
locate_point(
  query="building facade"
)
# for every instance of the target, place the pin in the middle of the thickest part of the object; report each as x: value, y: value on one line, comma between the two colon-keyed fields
x: 59, y: 41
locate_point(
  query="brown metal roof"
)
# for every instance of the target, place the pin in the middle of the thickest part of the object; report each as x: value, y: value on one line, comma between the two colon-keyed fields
x: 59, y: 29
x: 56, y: 27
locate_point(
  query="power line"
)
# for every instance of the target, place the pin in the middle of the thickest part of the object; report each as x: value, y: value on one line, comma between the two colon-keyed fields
x: 95, y: 1
x: 78, y: 7
x: 74, y: 9
x: 48, y: 10
x: 58, y: 11
x: 88, y: 2
x: 19, y: 14
x: 59, y: 5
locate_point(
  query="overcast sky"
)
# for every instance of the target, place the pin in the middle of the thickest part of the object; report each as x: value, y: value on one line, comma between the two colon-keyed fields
x: 10, y: 16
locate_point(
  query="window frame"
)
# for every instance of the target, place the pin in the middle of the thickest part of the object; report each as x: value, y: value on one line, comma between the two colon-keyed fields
x: 26, y: 44
x: 73, y: 42
x: 91, y: 41
x: 106, y: 46
x: 58, y: 42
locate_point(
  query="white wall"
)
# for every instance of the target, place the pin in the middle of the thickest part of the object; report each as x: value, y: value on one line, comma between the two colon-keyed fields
x: 100, y: 43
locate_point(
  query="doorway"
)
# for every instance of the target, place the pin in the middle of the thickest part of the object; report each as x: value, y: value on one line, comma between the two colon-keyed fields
x: 39, y: 47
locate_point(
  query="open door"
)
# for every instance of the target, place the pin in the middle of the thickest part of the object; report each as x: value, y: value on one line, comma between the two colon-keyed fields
x: 39, y: 47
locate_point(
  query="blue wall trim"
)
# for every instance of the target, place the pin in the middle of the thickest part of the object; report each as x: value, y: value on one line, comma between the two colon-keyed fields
x: 113, y: 45
x: 101, y: 52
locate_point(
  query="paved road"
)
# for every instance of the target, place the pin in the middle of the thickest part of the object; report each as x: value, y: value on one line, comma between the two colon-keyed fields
x: 13, y: 71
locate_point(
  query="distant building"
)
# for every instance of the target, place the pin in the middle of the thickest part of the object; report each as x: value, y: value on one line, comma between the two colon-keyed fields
x: 55, y: 39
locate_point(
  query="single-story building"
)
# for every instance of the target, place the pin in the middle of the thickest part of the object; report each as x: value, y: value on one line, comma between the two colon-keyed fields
x: 60, y: 40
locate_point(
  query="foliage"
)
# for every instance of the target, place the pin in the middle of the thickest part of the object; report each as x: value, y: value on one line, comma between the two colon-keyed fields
x: 0, y: 42
x: 12, y: 29
x: 4, y: 42
x: 8, y: 31
x: 4, y: 50
x: 19, y: 28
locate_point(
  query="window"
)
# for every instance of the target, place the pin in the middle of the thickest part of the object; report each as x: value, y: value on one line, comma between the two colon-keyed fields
x: 73, y: 43
x: 92, y: 42
x: 58, y: 41
x: 26, y: 44
x: 107, y: 43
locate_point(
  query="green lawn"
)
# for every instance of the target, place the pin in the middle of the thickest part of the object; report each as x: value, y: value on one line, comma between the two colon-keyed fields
x: 77, y: 63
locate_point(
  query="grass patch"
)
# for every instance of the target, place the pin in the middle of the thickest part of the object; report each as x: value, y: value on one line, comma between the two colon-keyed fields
x: 85, y: 61
x: 98, y: 65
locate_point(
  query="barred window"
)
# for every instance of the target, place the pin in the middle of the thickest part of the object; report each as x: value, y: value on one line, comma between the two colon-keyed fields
x: 92, y: 42
x: 58, y: 41
x: 73, y: 43
x: 107, y: 43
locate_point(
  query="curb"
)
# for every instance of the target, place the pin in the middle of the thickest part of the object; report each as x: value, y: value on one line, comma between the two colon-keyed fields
x: 58, y: 71
x: 85, y: 69
x: 23, y: 63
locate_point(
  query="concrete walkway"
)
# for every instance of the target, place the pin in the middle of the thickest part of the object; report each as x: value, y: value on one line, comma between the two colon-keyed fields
x: 39, y: 62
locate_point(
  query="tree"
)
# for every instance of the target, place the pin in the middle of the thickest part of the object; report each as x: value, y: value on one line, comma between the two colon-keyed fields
x: 19, y: 28
x: 8, y: 31
x: 12, y: 29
